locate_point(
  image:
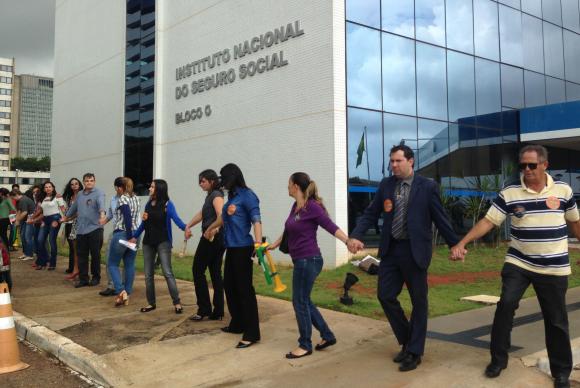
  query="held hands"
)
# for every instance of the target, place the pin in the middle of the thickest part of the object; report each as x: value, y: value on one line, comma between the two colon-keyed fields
x: 133, y: 240
x: 144, y: 216
x: 209, y: 234
x: 457, y: 253
x: 354, y: 245
x: 103, y: 220
x: 187, y: 233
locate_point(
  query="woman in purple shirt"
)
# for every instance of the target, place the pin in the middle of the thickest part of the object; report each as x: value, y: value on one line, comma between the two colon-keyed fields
x: 306, y: 215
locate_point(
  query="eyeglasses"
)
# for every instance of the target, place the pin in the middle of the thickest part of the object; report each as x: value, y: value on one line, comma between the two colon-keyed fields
x: 531, y: 166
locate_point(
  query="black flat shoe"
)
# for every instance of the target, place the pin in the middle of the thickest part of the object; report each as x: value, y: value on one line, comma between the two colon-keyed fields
x: 51, y: 268
x: 291, y: 355
x: 147, y: 309
x: 197, y: 317
x: 228, y: 329
x: 81, y: 284
x: 178, y: 310
x: 242, y: 345
x: 325, y: 344
x: 216, y: 317
x: 107, y: 292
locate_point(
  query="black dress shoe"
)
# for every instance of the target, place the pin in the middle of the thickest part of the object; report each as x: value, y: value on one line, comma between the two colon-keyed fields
x: 107, y: 292
x: 325, y: 344
x: 242, y: 345
x: 94, y: 282
x: 228, y: 329
x: 561, y: 382
x: 81, y: 284
x: 410, y: 362
x: 401, y: 355
x: 493, y: 370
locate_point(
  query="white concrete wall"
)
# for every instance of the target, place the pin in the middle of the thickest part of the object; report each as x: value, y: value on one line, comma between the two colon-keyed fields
x: 89, y: 87
x: 272, y: 124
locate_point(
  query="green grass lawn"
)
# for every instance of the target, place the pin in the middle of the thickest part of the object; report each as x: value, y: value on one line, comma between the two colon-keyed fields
x: 443, y: 298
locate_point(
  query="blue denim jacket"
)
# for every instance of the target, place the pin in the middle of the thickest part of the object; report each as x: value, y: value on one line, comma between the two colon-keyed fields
x: 240, y: 212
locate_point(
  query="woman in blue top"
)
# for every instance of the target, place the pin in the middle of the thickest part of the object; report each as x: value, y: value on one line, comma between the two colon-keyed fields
x: 159, y: 212
x: 240, y: 212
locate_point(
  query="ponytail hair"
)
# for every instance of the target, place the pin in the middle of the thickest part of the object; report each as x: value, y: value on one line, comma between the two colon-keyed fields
x: 128, y: 186
x: 307, y: 186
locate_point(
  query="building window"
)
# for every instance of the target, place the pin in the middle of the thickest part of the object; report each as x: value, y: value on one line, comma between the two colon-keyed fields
x: 4, y: 115
x: 139, y: 92
x: 4, y: 127
x: 5, y: 92
x: 6, y: 68
x: 5, y: 80
x: 5, y: 103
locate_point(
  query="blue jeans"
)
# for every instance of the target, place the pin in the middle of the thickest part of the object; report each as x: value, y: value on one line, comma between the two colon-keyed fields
x: 27, y: 238
x: 163, y: 250
x: 117, y: 252
x: 305, y: 273
x: 51, y: 232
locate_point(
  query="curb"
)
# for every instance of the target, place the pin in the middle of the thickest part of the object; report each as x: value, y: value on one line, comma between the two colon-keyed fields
x: 72, y: 354
x: 541, y: 361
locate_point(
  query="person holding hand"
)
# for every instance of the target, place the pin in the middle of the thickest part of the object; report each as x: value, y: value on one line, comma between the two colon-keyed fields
x: 159, y: 212
x: 239, y: 214
x: 306, y: 215
x: 209, y: 254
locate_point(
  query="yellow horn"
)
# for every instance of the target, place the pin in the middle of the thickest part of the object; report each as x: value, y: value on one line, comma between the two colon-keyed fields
x: 278, y: 285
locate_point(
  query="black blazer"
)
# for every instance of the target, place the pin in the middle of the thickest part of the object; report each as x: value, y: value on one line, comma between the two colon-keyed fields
x: 424, y: 208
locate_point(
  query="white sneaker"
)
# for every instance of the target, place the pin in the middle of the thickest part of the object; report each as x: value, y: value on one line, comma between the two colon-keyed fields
x: 21, y: 257
x: 25, y: 258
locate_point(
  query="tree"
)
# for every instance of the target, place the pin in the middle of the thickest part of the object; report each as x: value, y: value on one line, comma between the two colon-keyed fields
x: 31, y: 164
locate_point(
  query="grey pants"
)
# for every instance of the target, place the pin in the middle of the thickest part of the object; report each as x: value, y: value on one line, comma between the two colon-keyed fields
x: 164, y: 252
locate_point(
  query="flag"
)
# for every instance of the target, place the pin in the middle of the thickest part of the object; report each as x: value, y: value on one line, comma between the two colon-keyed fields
x: 360, y: 150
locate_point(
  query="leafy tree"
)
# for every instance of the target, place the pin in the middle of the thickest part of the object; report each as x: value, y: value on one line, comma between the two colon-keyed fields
x: 31, y: 164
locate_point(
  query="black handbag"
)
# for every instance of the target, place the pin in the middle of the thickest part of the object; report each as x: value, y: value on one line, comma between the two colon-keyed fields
x: 284, y: 243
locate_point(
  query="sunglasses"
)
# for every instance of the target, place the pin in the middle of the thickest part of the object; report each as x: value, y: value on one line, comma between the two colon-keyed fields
x: 531, y: 166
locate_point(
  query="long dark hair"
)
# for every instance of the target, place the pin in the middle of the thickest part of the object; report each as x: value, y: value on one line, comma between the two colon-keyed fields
x: 42, y: 195
x: 161, y: 192
x: 212, y: 177
x: 68, y: 192
x: 232, y: 177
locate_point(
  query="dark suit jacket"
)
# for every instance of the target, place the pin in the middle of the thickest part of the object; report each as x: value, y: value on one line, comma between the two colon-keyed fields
x: 424, y: 208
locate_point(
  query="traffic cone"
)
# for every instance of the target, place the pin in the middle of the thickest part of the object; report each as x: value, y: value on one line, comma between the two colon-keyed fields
x: 9, y: 353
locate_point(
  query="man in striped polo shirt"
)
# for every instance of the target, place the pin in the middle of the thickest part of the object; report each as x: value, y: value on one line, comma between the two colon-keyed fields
x: 539, y: 209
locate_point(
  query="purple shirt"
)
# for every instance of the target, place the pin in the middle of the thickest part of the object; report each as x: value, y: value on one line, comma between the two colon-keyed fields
x: 301, y: 229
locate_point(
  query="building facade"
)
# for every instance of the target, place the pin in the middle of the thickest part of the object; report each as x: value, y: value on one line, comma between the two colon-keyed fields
x: 6, y: 102
x: 33, y: 116
x: 165, y: 89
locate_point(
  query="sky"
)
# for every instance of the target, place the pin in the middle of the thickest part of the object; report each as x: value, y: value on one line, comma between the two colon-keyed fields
x: 27, y: 34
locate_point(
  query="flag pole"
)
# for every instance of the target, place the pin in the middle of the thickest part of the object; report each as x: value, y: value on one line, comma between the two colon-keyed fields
x: 367, y: 152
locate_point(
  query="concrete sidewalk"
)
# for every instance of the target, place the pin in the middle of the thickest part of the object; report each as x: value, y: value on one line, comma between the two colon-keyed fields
x: 123, y: 347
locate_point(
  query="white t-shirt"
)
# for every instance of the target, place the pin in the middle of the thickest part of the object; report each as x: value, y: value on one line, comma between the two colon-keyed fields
x: 51, y: 207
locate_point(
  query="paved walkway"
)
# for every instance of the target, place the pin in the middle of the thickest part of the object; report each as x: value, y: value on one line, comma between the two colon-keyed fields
x: 161, y: 348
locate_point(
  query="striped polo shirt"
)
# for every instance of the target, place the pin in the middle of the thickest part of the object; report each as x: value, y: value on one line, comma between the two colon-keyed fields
x: 539, y: 235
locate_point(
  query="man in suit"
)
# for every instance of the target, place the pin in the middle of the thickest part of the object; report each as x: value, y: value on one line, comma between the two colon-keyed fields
x: 409, y: 204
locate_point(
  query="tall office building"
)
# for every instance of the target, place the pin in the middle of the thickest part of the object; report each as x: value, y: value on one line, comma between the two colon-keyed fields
x: 32, y: 116
x: 6, y: 89
x: 165, y: 89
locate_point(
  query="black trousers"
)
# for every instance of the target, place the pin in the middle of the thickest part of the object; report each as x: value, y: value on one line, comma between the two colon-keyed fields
x: 240, y: 293
x: 209, y: 254
x: 551, y: 293
x: 397, y: 268
x: 90, y: 243
x: 6, y: 278
x: 4, y: 227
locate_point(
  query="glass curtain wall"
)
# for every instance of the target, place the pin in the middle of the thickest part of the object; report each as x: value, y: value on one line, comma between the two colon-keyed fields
x: 139, y: 92
x: 447, y: 78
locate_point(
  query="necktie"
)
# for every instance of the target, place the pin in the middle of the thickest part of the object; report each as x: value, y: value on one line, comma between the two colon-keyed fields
x: 398, y: 227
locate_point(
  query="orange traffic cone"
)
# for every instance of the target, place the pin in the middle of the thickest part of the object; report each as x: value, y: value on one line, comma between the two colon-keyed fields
x: 9, y: 353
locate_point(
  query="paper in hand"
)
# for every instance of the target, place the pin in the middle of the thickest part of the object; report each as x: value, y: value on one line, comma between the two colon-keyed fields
x: 128, y: 244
